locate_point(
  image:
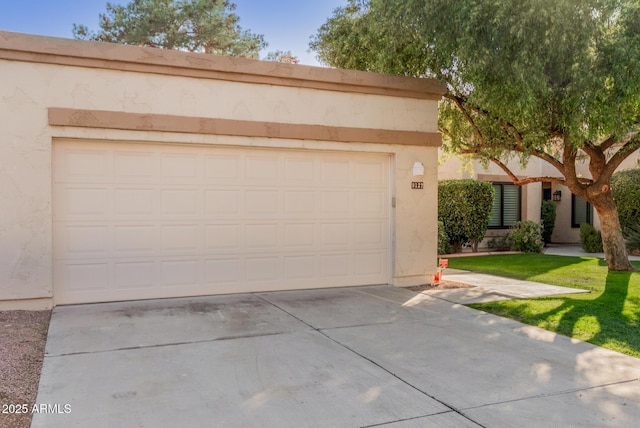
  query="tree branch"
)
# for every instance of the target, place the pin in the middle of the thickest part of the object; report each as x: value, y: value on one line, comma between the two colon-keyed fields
x: 522, y: 181
x: 460, y: 104
x: 631, y: 145
x: 509, y: 128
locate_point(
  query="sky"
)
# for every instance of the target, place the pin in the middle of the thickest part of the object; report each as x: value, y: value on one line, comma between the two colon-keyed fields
x: 285, y: 24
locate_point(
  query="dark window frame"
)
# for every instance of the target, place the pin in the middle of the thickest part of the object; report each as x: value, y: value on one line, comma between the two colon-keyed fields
x: 588, y: 214
x: 502, y: 224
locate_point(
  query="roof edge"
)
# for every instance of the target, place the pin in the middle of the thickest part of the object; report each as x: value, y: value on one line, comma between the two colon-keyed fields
x: 61, y: 51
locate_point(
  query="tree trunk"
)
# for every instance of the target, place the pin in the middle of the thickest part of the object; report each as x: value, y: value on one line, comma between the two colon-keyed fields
x: 615, y: 250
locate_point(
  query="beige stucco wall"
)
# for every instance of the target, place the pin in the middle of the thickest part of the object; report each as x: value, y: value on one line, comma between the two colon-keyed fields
x: 30, y: 88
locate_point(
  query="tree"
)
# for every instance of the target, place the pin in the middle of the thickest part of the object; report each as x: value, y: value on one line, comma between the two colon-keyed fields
x: 207, y: 26
x: 553, y: 80
x: 464, y: 208
x: 282, y: 56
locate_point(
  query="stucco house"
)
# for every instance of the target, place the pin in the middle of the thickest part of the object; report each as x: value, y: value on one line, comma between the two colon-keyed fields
x: 513, y: 203
x: 135, y: 173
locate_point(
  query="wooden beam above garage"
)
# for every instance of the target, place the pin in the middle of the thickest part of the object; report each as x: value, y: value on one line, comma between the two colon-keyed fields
x: 243, y: 128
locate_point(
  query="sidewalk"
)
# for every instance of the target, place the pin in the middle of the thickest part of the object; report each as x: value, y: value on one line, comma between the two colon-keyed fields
x: 575, y: 251
x: 490, y: 288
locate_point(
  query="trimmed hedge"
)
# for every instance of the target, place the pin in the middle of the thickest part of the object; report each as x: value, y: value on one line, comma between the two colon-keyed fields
x: 464, y: 208
x: 626, y: 192
x: 548, y: 219
x: 443, y: 240
x: 590, y: 238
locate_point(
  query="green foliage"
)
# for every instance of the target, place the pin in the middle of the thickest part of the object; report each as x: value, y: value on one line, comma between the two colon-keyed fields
x: 464, y: 207
x: 499, y: 243
x: 590, y: 238
x: 443, y: 240
x: 525, y: 236
x: 626, y: 192
x: 548, y: 219
x: 208, y: 26
x: 539, y: 78
x: 632, y: 235
x: 608, y: 316
x: 540, y: 68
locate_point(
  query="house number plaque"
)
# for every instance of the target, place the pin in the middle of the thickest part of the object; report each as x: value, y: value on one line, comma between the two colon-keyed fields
x: 417, y: 185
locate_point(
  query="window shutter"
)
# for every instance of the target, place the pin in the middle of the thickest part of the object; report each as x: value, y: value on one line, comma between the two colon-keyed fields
x: 496, y: 209
x: 511, y: 205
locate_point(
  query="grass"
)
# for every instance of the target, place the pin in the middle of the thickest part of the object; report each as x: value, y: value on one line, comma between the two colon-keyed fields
x: 608, y: 316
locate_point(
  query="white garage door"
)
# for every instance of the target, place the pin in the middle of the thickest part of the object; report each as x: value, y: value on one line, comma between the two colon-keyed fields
x: 138, y: 221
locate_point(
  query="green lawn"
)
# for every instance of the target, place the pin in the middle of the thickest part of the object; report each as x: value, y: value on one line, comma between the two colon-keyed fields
x: 609, y: 316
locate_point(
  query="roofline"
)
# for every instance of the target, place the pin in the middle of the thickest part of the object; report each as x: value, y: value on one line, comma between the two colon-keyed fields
x: 111, y: 56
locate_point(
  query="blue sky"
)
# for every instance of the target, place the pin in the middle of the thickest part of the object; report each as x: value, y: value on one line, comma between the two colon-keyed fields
x: 285, y: 24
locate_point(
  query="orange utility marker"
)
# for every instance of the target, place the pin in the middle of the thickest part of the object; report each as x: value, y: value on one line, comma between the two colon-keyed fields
x: 444, y: 263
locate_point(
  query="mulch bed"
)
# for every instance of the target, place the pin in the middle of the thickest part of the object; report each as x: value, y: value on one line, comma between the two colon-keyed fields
x: 442, y: 285
x: 23, y: 335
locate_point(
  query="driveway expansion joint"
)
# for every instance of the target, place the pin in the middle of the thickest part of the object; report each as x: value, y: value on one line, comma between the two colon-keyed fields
x: 320, y: 331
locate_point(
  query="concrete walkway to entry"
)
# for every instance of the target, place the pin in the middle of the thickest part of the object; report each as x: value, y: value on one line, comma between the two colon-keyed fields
x: 490, y: 288
x: 342, y: 357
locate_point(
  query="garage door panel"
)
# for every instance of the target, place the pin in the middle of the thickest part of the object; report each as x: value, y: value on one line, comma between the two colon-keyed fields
x: 299, y: 203
x: 84, y: 202
x: 135, y: 238
x: 180, y: 272
x: 335, y: 204
x: 335, y: 171
x: 223, y: 203
x: 224, y: 271
x: 300, y: 171
x: 261, y: 236
x: 262, y: 203
x: 222, y: 237
x: 169, y: 220
x: 300, y: 235
x: 224, y: 169
x: 136, y: 167
x: 179, y: 203
x: 86, y: 240
x: 180, y: 168
x: 133, y: 202
x: 262, y: 170
x: 369, y: 264
x: 180, y: 237
x: 135, y: 274
x: 82, y: 165
x: 259, y: 269
x: 371, y: 174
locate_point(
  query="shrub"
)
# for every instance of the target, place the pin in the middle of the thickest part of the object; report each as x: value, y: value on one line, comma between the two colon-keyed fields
x: 632, y: 235
x: 525, y: 236
x: 499, y: 243
x: 443, y: 240
x: 464, y: 207
x: 548, y: 219
x: 590, y: 238
x: 626, y: 192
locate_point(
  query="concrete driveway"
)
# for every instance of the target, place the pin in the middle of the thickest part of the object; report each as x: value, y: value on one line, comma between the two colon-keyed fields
x: 347, y: 357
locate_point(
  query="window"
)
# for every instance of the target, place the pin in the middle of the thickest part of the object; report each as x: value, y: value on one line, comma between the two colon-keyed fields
x: 581, y: 211
x: 506, y: 206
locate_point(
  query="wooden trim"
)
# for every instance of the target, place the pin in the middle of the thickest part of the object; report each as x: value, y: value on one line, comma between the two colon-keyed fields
x: 243, y: 128
x: 59, y: 51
